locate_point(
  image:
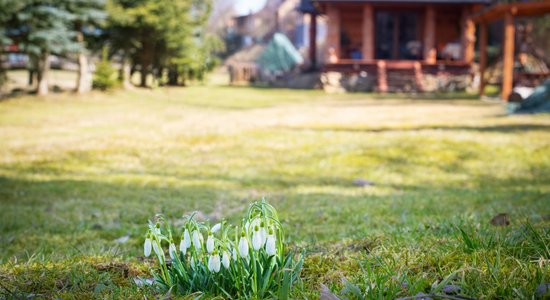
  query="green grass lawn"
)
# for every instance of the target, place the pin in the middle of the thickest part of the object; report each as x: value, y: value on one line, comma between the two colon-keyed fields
x: 79, y: 172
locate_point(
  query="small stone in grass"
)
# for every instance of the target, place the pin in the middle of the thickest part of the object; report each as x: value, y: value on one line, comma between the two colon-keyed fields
x: 143, y: 281
x: 422, y: 296
x: 501, y: 219
x: 543, y: 291
x: 362, y: 182
x: 122, y: 240
x: 451, y: 289
x: 326, y: 294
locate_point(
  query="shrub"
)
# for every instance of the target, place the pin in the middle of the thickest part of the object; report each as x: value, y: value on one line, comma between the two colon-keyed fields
x: 249, y: 261
x: 105, y: 76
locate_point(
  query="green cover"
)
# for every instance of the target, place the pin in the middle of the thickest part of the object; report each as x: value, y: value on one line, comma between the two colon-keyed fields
x: 538, y: 102
x: 279, y: 55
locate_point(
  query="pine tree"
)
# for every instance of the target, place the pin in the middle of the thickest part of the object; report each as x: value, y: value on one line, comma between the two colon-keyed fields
x: 87, y: 15
x: 46, y: 27
x: 7, y: 9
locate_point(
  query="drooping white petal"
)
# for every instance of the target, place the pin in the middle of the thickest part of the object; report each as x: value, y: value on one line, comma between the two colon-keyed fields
x: 246, y: 226
x: 243, y: 247
x: 183, y: 248
x: 156, y: 248
x: 216, y: 228
x: 270, y: 247
x: 172, y: 251
x: 147, y: 247
x: 214, y: 263
x: 263, y: 235
x: 187, y: 238
x: 197, y: 240
x: 256, y: 240
x: 225, y: 259
x: 234, y: 254
x: 210, y: 243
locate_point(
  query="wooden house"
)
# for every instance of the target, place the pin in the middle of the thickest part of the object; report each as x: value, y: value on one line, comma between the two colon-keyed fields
x: 400, y: 42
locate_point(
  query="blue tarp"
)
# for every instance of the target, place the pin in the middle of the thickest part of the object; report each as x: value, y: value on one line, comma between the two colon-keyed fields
x: 279, y: 55
x: 538, y: 101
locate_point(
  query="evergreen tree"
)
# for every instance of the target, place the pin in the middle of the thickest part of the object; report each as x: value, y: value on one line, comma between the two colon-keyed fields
x: 46, y: 28
x: 7, y: 9
x: 159, y: 34
x: 87, y: 16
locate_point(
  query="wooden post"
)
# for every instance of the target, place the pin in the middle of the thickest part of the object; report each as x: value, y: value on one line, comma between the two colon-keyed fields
x: 508, y: 66
x: 368, y: 32
x: 482, y: 56
x: 313, y: 40
x: 430, y: 52
x: 468, y: 36
x: 333, y: 34
x: 382, y: 76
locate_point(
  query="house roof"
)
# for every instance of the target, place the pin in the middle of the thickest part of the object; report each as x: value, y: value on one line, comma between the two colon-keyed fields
x: 521, y: 9
x: 399, y: 1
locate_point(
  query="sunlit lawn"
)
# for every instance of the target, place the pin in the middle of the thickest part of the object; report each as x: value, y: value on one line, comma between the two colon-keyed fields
x: 79, y: 173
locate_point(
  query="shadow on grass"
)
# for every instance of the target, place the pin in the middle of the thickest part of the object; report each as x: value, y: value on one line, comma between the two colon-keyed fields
x: 490, y: 128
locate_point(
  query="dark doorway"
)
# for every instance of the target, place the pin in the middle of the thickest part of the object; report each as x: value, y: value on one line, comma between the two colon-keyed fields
x: 397, y: 35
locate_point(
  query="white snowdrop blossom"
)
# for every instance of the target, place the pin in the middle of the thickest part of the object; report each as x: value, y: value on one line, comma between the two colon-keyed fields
x: 243, y: 246
x: 210, y: 243
x: 192, y: 262
x: 183, y: 248
x: 270, y: 247
x: 263, y: 233
x: 187, y: 238
x: 216, y: 228
x: 197, y: 240
x: 214, y: 263
x: 172, y: 251
x: 147, y: 247
x: 234, y: 254
x: 225, y: 259
x: 256, y: 239
x: 156, y: 248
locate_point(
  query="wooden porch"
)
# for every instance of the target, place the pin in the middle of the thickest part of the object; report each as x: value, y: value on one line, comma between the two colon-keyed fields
x: 408, y: 38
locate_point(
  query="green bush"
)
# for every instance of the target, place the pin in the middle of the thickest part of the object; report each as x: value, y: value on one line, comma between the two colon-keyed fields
x: 105, y: 76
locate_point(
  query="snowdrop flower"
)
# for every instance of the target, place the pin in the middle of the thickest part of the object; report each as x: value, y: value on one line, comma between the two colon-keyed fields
x: 210, y: 243
x: 256, y: 239
x: 214, y: 263
x: 147, y: 247
x: 246, y: 226
x: 234, y: 254
x: 157, y: 229
x: 270, y: 247
x: 187, y: 238
x: 156, y: 248
x: 225, y: 259
x: 183, y: 247
x: 243, y: 246
x: 263, y: 233
x: 197, y: 240
x: 172, y: 251
x: 216, y: 228
x: 192, y: 262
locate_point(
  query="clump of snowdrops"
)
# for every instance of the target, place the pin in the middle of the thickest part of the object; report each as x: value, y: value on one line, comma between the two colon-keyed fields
x: 236, y: 262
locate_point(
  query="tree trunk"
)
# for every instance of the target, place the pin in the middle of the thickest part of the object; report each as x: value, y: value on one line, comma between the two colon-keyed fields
x: 173, y: 75
x: 143, y: 72
x: 83, y: 82
x: 126, y: 73
x: 42, y: 70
